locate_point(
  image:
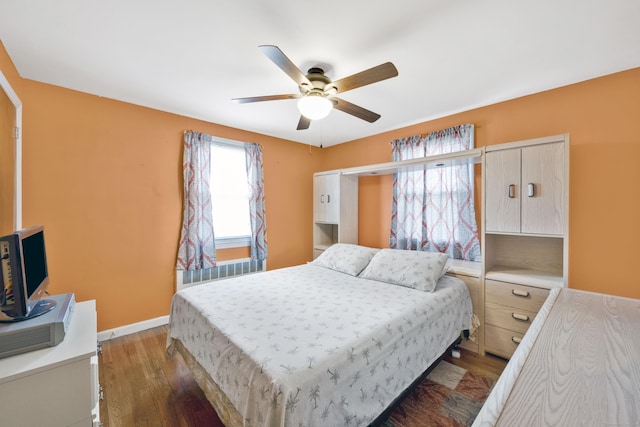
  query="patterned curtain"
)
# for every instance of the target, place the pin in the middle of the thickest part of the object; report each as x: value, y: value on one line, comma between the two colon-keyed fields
x: 253, y: 153
x: 197, y: 248
x: 433, y: 208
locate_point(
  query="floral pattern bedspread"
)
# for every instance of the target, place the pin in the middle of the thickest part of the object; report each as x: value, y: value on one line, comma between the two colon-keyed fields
x: 309, y: 346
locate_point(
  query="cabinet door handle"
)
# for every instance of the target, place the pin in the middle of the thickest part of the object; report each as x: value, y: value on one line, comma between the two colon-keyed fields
x: 322, y: 198
x: 523, y: 294
x: 531, y: 189
x: 521, y: 317
x: 511, y: 191
x: 328, y: 198
x: 516, y: 340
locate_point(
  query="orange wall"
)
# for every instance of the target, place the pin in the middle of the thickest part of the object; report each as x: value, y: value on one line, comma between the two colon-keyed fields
x: 601, y: 116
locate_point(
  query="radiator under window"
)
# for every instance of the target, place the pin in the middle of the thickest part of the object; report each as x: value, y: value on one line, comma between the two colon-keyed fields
x: 222, y: 270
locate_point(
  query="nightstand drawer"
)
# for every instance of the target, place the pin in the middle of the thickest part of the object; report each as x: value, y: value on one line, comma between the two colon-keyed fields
x: 512, y: 295
x: 501, y: 342
x: 515, y: 319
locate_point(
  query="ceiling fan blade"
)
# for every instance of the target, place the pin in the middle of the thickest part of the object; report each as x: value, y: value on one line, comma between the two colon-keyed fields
x: 280, y: 59
x: 354, y: 110
x: 264, y: 98
x: 363, y: 78
x: 303, y: 123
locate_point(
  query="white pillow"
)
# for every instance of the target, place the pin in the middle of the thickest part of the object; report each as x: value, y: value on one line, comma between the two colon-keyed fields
x: 414, y: 269
x: 346, y: 258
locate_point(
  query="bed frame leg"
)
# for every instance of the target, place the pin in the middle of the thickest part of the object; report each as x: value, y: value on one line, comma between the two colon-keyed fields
x: 455, y: 350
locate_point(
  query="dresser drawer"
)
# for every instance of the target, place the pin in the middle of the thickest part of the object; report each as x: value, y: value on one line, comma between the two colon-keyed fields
x: 512, y: 295
x: 501, y: 342
x: 512, y: 318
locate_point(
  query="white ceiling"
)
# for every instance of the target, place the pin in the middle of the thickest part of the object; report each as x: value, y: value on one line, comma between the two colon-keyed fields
x: 190, y: 57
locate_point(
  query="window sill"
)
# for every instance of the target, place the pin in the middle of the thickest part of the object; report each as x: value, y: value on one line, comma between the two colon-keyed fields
x: 233, y: 242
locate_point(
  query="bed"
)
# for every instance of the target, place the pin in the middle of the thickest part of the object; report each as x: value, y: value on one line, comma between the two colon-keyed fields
x: 329, y: 343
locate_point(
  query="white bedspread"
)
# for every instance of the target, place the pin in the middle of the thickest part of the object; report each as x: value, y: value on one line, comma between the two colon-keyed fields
x: 308, y: 346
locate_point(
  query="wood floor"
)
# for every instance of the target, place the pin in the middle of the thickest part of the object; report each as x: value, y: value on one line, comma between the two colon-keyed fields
x: 143, y: 387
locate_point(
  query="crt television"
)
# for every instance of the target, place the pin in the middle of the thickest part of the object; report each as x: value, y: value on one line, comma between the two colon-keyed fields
x: 24, y: 278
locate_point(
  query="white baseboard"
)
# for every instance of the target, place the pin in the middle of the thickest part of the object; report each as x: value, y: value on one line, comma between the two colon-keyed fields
x: 132, y: 328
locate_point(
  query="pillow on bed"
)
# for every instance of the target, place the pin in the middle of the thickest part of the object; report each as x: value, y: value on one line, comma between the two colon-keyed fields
x: 346, y: 258
x: 414, y: 269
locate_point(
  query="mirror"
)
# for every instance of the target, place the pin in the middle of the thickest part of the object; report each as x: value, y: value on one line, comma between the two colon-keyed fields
x: 10, y: 159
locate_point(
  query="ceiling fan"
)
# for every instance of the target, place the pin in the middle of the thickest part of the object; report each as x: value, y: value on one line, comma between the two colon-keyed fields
x: 317, y: 91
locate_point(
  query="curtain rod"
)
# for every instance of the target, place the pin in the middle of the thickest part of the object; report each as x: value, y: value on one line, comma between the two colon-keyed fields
x: 221, y: 140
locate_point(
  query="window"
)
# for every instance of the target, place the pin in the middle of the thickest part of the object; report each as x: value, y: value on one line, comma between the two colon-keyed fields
x: 433, y: 209
x: 234, y: 186
x: 230, y: 195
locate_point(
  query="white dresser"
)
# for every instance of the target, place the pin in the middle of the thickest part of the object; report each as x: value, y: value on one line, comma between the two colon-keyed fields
x: 578, y: 366
x: 55, y: 386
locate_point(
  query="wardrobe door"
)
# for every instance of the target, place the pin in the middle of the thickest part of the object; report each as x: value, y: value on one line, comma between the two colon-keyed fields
x: 502, y: 179
x: 542, y: 189
x: 326, y: 198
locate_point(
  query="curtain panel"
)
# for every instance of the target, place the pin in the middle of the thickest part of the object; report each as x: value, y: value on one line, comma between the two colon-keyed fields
x: 197, y: 248
x: 432, y: 209
x: 253, y: 154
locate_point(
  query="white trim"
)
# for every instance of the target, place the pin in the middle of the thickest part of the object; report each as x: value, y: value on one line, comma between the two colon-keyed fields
x: 229, y: 143
x: 13, y: 97
x: 463, y: 157
x: 132, y: 328
x: 233, y: 242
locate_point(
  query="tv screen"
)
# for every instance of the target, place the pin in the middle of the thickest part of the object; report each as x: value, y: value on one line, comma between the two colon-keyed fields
x: 24, y: 276
x: 35, y: 261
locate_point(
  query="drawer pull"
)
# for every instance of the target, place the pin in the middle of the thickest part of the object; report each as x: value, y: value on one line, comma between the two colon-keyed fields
x: 516, y: 340
x: 518, y: 293
x: 521, y: 317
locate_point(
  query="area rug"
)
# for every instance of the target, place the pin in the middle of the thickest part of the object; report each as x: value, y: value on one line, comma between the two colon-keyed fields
x: 448, y: 396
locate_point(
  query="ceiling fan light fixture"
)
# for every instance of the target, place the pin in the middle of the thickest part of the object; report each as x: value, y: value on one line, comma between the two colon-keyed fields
x: 314, y: 106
